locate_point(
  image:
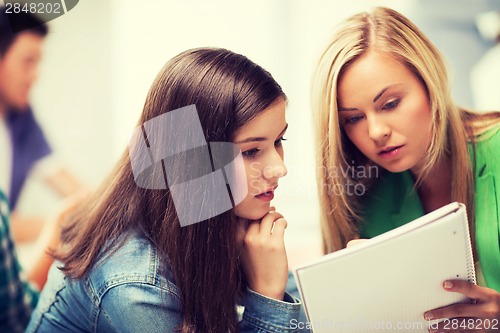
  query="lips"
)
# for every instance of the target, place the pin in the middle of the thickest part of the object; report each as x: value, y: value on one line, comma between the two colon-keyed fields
x: 390, y: 151
x: 268, y: 194
x: 387, y: 150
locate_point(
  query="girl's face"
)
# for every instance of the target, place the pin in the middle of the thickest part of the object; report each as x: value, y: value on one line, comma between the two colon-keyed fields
x: 385, y: 111
x: 260, y: 142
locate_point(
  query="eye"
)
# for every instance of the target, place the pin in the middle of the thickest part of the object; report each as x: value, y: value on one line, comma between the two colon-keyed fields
x: 251, y: 153
x: 352, y: 120
x: 279, y: 142
x: 391, y: 105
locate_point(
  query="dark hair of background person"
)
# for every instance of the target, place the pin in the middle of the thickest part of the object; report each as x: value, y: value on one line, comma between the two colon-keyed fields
x: 32, y: 23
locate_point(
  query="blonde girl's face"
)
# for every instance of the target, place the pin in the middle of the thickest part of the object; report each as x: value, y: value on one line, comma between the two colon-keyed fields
x: 384, y: 110
x: 260, y: 142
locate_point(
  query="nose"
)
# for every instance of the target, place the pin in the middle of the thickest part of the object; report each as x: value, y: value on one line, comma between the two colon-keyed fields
x: 276, y: 168
x: 378, y: 130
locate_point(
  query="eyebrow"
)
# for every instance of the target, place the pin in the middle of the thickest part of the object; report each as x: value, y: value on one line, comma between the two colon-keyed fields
x: 374, y: 100
x: 340, y: 109
x: 258, y: 139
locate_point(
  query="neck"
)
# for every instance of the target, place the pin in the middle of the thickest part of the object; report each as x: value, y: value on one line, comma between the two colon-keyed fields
x: 435, y: 188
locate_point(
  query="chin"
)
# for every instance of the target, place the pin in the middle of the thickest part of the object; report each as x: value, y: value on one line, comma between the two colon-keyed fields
x: 252, y: 213
x: 20, y: 106
x: 396, y: 168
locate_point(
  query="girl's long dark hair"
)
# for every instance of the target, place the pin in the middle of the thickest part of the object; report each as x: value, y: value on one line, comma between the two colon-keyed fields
x: 228, y: 91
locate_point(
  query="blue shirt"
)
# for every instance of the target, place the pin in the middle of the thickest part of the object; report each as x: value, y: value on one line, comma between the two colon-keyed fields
x: 28, y: 146
x: 128, y: 293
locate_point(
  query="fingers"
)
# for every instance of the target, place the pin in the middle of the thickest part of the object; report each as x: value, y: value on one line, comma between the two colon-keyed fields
x: 265, y: 225
x: 355, y: 242
x: 486, y: 308
x: 253, y: 227
x: 271, y: 226
x: 456, y: 310
x: 267, y: 222
x: 264, y: 257
x: 470, y: 290
x: 279, y: 228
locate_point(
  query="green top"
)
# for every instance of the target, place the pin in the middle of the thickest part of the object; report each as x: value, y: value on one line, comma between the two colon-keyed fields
x: 393, y: 202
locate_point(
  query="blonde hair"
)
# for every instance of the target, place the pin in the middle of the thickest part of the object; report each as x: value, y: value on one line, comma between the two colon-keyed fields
x: 387, y: 31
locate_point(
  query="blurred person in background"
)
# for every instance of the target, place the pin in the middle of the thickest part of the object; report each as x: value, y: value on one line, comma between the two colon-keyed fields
x: 24, y: 150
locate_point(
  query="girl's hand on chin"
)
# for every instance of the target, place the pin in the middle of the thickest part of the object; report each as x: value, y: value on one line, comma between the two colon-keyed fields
x: 264, y: 255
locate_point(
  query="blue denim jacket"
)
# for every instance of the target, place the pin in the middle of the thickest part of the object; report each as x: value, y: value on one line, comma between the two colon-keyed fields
x: 127, y: 293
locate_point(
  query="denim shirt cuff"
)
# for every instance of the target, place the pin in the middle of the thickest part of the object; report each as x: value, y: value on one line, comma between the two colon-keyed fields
x: 271, y: 314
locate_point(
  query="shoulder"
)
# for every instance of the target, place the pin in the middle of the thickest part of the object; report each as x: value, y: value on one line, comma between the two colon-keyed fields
x: 27, y: 134
x: 22, y: 119
x: 486, y: 148
x: 127, y: 291
x: 134, y: 289
x: 492, y: 136
x: 136, y: 307
x: 133, y: 264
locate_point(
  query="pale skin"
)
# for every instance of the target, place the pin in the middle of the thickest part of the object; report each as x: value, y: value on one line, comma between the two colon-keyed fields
x: 262, y: 228
x: 391, y: 112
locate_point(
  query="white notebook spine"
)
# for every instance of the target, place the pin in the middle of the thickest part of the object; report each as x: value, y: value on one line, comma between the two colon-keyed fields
x: 471, y: 276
